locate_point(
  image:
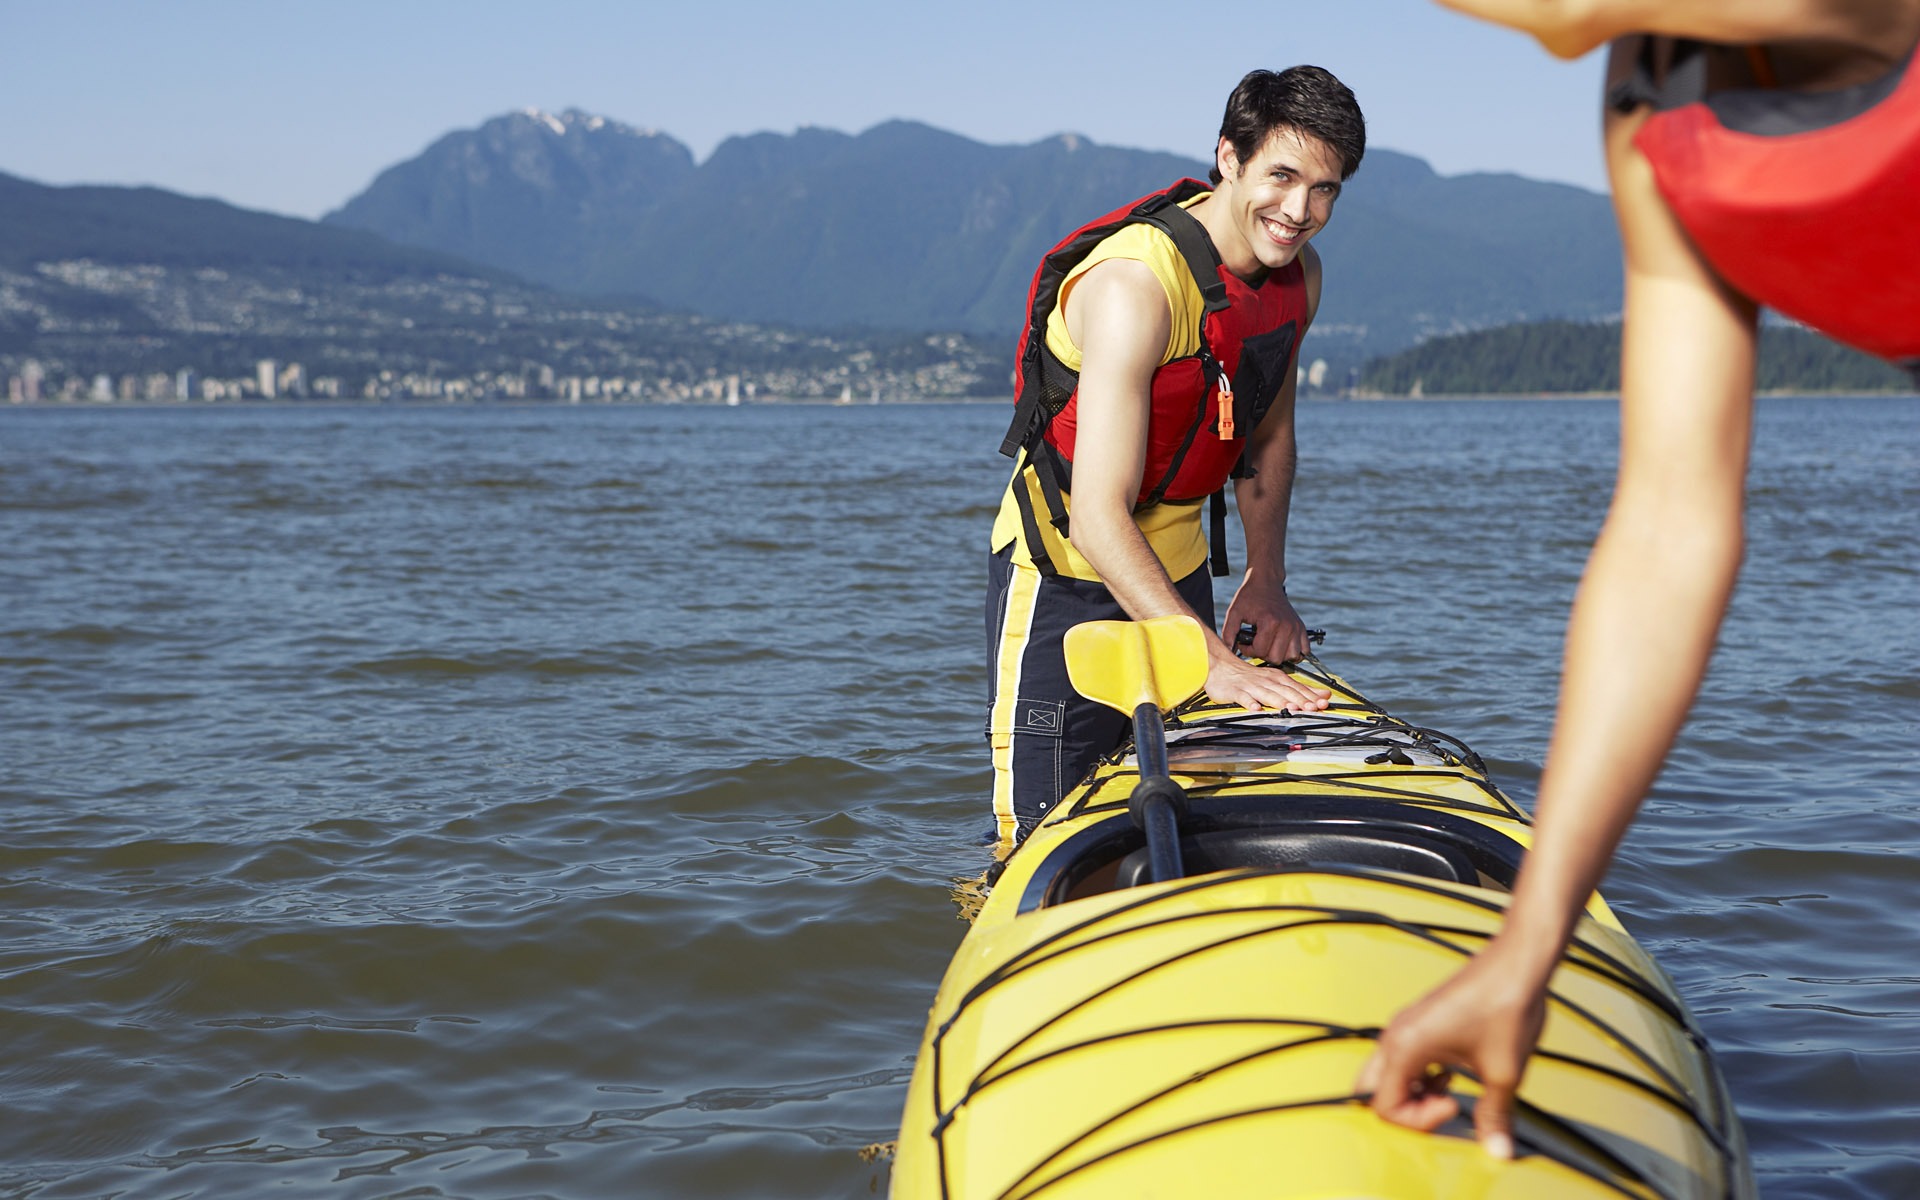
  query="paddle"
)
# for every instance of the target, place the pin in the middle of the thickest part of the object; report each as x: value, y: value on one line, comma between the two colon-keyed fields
x: 1142, y: 668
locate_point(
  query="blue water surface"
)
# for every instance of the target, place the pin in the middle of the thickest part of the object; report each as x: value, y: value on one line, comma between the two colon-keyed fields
x: 512, y: 802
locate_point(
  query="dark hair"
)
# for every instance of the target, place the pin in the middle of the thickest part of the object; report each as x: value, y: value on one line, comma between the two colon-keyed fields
x: 1308, y: 100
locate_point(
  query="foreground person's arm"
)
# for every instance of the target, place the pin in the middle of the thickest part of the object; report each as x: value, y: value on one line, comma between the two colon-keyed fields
x: 1570, y: 28
x: 1643, y: 626
x: 1118, y: 317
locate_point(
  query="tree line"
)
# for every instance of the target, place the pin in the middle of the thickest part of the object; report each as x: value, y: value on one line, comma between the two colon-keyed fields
x: 1575, y: 356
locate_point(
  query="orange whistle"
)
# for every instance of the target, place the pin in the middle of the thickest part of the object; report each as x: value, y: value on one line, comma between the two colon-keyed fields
x: 1226, y: 408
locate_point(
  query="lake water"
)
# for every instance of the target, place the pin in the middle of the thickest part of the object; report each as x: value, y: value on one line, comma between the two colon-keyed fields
x: 495, y: 802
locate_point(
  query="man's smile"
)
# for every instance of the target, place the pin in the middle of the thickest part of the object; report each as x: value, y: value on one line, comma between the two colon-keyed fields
x: 1282, y: 233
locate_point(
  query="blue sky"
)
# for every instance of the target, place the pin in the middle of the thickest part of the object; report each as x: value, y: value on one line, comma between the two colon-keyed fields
x: 294, y: 105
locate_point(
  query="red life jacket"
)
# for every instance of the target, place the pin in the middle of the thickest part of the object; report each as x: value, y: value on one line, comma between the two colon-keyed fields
x: 1809, y: 203
x: 1203, y: 407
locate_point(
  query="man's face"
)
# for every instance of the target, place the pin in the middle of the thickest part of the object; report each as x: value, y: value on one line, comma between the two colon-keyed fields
x: 1283, y: 195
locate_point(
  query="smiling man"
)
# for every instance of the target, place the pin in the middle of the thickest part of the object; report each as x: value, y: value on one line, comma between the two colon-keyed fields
x: 1158, y: 363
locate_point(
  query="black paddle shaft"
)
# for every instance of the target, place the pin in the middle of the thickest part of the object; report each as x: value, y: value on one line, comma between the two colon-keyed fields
x: 1157, y: 802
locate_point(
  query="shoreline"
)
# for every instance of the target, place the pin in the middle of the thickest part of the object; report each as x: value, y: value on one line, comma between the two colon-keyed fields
x: 817, y: 402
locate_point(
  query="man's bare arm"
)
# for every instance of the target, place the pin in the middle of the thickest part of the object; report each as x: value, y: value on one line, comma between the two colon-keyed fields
x: 1265, y: 501
x: 1118, y: 316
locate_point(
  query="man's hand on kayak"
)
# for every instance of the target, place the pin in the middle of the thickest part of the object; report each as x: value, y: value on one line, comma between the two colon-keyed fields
x: 1485, y: 1020
x: 1233, y: 680
x: 1279, y: 635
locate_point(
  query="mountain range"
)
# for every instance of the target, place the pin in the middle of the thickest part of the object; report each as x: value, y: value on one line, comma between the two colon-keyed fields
x: 539, y: 246
x: 157, y: 290
x: 909, y: 227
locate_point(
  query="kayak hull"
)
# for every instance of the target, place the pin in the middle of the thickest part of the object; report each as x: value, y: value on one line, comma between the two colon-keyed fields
x: 1100, y: 1035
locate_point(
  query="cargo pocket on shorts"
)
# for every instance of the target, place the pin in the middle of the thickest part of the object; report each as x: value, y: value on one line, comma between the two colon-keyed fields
x: 1039, y: 749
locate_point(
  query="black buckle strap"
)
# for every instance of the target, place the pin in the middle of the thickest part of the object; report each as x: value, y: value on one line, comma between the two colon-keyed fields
x: 1217, y: 532
x: 1026, y: 407
x: 1030, y: 527
x: 1046, y: 464
x: 1191, y: 240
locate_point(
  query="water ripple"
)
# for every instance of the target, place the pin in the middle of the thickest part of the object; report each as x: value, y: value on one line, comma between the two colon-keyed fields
x: 438, y: 803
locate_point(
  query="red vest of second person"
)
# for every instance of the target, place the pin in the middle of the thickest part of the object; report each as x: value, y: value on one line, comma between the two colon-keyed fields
x: 1809, y: 203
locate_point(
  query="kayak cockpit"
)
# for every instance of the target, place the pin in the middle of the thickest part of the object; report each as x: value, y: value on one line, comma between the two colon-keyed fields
x: 1274, y: 834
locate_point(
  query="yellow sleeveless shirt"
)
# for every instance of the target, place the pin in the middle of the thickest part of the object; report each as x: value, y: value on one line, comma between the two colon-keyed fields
x: 1175, y: 531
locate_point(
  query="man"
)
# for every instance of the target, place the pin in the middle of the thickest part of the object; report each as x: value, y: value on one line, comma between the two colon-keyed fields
x: 1158, y: 362
x: 1760, y: 154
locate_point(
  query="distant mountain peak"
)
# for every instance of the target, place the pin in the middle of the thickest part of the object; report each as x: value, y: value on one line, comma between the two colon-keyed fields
x: 538, y: 183
x: 573, y: 119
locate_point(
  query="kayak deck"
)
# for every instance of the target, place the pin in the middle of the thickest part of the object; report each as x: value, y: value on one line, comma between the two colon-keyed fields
x: 1100, y: 1035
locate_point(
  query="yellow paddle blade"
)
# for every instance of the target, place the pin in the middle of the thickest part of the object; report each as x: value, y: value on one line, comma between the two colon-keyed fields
x: 1124, y: 664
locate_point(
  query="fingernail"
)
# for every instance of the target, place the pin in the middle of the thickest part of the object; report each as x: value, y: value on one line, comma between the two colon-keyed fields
x: 1499, y: 1145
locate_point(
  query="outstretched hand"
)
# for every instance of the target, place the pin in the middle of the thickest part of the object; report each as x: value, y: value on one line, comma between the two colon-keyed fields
x: 1231, y: 680
x: 1485, y: 1020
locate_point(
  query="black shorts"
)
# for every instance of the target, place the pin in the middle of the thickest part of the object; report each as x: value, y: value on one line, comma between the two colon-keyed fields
x: 1045, y: 736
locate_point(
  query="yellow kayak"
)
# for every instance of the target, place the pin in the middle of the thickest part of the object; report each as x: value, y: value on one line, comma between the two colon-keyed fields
x: 1102, y: 1035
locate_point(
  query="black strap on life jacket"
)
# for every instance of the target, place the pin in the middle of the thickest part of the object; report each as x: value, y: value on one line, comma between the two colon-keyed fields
x: 1189, y: 237
x: 1048, y: 382
x: 1217, y: 532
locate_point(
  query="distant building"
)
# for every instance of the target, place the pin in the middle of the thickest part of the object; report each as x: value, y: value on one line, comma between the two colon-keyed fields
x: 183, y: 381
x: 31, y: 377
x: 292, y: 381
x: 266, y: 376
x: 16, y: 390
x: 102, y: 389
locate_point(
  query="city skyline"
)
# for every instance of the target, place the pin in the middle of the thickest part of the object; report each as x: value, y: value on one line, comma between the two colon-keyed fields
x: 295, y: 108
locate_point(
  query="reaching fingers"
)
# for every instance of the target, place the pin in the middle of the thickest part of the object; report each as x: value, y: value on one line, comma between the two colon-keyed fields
x: 1287, y: 643
x: 1415, y: 1097
x: 1292, y: 645
x: 1493, y: 1120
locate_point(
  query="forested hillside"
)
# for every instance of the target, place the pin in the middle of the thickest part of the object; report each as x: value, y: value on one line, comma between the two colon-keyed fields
x: 1573, y: 356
